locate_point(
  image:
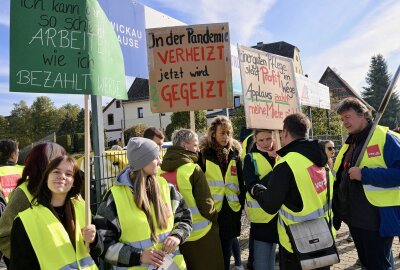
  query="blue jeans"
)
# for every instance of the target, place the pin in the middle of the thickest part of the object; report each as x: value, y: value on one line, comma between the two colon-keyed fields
x: 374, y: 251
x: 236, y: 252
x: 264, y: 255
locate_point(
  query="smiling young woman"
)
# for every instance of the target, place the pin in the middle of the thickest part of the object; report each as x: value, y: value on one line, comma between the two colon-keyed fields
x: 55, y: 221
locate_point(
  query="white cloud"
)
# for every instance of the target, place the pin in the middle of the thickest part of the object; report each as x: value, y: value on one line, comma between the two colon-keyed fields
x: 5, y: 13
x: 245, y: 18
x: 376, y: 33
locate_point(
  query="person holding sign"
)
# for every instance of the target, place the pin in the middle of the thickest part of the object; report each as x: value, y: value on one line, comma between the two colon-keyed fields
x: 220, y: 160
x: 202, y: 250
x: 297, y: 189
x: 258, y: 165
x: 143, y: 219
x: 36, y: 162
x: 367, y: 197
x: 51, y: 234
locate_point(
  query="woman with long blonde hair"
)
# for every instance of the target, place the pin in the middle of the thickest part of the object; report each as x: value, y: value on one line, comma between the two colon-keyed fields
x: 220, y: 161
x: 143, y: 219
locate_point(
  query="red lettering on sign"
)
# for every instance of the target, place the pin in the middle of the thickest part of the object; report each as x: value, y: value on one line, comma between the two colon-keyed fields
x: 192, y: 90
x: 192, y: 54
x: 373, y: 151
x: 318, y: 177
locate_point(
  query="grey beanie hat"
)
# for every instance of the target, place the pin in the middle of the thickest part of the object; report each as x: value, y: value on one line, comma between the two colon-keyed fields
x: 141, y: 151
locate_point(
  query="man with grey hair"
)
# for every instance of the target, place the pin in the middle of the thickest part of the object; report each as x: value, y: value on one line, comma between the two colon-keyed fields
x: 202, y: 250
x: 367, y: 197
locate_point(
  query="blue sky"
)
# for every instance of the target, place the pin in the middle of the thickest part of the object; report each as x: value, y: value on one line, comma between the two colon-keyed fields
x: 341, y: 34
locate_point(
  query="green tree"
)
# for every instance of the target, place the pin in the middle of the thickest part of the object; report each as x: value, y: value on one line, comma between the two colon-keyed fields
x: 182, y: 120
x: 69, y: 116
x: 135, y: 131
x: 378, y: 80
x: 4, y: 127
x: 20, y: 124
x: 44, y: 117
x: 80, y: 121
x: 238, y: 121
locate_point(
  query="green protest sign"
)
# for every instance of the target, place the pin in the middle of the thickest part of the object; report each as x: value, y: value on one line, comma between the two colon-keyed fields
x: 64, y: 46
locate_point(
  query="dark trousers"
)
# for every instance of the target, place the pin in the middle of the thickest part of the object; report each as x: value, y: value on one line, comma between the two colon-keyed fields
x: 374, y: 251
x: 289, y: 261
x: 250, y: 259
x: 227, y: 251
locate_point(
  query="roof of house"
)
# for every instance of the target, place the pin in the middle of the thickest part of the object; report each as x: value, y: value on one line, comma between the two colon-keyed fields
x: 108, y: 105
x: 280, y: 48
x: 139, y: 90
x: 330, y: 71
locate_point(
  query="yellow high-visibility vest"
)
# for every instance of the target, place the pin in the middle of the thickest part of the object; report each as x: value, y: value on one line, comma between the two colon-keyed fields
x: 220, y: 188
x: 244, y: 146
x: 9, y: 176
x: 373, y: 158
x: 201, y: 226
x: 47, y: 234
x: 254, y: 212
x: 135, y: 229
x: 24, y: 188
x: 313, y: 192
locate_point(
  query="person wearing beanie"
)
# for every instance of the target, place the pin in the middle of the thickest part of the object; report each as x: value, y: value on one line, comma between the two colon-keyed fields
x: 142, y: 219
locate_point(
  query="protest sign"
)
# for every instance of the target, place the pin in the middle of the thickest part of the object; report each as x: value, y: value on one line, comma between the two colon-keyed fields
x: 269, y: 88
x: 128, y: 21
x: 189, y: 68
x: 312, y: 93
x: 66, y: 46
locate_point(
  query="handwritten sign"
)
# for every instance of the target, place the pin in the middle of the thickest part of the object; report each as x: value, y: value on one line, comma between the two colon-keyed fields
x: 312, y: 93
x: 64, y: 46
x: 269, y: 88
x: 189, y: 68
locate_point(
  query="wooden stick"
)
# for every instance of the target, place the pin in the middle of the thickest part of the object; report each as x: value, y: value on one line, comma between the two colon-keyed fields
x: 381, y: 110
x: 87, y: 164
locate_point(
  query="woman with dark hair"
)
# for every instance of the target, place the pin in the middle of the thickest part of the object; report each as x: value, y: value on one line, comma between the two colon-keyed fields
x: 329, y: 149
x: 220, y: 161
x: 36, y: 162
x: 142, y: 220
x: 55, y: 222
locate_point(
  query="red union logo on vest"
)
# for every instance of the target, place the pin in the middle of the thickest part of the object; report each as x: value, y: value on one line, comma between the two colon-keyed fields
x: 233, y: 171
x: 318, y: 177
x: 373, y: 151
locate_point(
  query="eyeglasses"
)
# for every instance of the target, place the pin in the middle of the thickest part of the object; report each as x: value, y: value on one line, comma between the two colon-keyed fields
x: 331, y: 148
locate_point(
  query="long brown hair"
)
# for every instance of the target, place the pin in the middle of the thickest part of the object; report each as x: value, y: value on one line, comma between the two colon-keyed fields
x: 43, y: 193
x: 147, y: 192
x: 36, y: 162
x: 224, y: 122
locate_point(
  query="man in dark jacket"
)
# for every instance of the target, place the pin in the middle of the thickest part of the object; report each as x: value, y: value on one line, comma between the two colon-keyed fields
x: 366, y: 197
x: 282, y: 191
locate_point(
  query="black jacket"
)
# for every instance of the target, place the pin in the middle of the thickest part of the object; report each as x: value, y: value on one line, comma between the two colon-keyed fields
x: 266, y: 232
x: 350, y: 203
x: 281, y: 188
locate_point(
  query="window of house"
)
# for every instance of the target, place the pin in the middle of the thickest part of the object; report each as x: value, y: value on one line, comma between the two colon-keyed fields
x: 118, y: 103
x: 110, y: 119
x: 236, y: 101
x: 140, y: 112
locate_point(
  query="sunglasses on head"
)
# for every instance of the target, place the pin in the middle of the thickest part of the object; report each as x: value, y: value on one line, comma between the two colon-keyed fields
x: 331, y: 148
